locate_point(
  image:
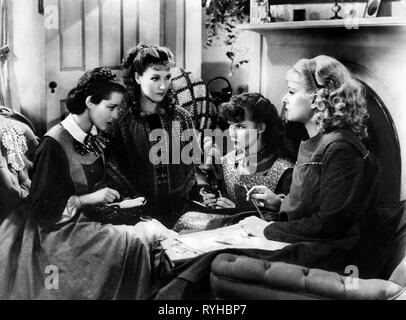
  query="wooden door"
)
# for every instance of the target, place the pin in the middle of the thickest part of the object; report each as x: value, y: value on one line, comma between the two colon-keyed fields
x: 84, y: 34
x: 80, y: 35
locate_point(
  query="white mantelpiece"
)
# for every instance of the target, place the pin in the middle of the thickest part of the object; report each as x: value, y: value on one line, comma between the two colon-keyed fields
x: 323, y: 24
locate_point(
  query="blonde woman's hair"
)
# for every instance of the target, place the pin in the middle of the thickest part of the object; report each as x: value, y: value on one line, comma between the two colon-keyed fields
x: 339, y: 99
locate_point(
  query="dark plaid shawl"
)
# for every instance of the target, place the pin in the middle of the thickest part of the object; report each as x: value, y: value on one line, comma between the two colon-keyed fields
x: 130, y: 147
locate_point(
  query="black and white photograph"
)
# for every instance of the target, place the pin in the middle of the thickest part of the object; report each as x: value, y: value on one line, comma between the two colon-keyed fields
x: 218, y: 151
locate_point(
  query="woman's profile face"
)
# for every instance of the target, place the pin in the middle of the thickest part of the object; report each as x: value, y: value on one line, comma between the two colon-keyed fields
x: 154, y: 83
x: 105, y: 112
x: 297, y: 100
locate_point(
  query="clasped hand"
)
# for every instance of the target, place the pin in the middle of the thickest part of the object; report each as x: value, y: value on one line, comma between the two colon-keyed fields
x: 210, y: 200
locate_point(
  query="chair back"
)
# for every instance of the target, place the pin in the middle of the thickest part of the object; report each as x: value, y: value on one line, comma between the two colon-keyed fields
x: 10, y: 113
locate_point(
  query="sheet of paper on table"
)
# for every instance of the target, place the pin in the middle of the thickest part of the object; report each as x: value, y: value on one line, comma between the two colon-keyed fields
x: 190, y: 245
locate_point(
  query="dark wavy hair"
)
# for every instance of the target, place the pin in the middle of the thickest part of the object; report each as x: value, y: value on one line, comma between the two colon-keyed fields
x: 259, y: 109
x: 139, y: 59
x: 98, y: 83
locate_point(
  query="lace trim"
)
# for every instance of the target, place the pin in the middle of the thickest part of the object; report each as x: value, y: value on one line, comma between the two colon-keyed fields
x: 13, y: 139
x: 313, y: 163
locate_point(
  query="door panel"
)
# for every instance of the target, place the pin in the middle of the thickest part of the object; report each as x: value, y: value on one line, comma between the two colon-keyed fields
x: 89, y: 33
x: 110, y: 24
x: 130, y: 25
x: 71, y: 35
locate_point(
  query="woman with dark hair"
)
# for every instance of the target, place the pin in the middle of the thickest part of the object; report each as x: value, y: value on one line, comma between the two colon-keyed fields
x: 85, y: 259
x: 149, y: 135
x: 261, y: 155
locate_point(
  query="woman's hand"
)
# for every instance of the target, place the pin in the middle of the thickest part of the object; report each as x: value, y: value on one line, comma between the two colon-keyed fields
x: 131, y: 203
x: 23, y: 179
x: 209, y: 199
x: 156, y: 231
x: 265, y: 197
x: 102, y: 196
x: 9, y: 181
x: 224, y: 203
x: 254, y: 226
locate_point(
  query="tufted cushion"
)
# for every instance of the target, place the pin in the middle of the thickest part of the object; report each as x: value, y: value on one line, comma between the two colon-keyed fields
x: 397, y: 246
x: 399, y: 275
x: 241, y: 277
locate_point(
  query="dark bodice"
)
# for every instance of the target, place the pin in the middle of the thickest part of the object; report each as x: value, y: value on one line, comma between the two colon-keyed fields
x: 334, y: 184
x: 271, y: 172
x: 60, y: 173
x: 86, y: 171
x: 94, y: 173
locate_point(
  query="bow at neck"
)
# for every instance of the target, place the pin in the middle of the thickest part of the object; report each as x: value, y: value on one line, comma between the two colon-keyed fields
x: 82, y: 141
x: 92, y: 143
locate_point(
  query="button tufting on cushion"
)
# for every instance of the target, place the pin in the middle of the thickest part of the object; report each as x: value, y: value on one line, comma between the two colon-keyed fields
x: 233, y: 274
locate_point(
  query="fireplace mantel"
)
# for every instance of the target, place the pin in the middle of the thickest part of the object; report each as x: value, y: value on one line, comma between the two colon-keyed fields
x: 325, y: 24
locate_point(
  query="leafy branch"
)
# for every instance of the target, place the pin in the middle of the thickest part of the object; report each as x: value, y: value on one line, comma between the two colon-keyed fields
x: 223, y: 16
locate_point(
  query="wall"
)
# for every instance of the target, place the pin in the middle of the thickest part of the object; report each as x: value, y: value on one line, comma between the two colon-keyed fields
x: 27, y: 41
x: 215, y: 62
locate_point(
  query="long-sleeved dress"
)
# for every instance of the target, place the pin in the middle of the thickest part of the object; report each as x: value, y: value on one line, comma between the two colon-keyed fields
x: 61, y: 254
x: 329, y: 215
x: 154, y: 166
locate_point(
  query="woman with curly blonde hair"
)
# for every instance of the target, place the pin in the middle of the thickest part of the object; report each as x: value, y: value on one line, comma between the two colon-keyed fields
x: 335, y: 178
x: 338, y: 98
